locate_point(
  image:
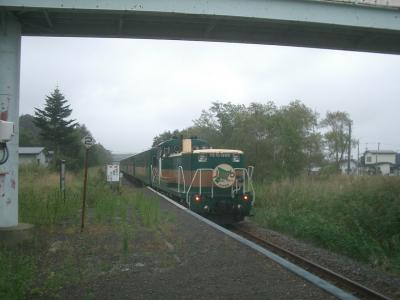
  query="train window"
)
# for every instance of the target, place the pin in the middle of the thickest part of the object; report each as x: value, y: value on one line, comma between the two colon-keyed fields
x: 202, y: 158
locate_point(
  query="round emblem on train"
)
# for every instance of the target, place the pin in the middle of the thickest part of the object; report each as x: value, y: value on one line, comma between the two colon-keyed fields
x: 224, y: 176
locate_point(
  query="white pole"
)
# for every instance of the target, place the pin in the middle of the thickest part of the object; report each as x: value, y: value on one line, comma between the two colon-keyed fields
x: 10, y: 52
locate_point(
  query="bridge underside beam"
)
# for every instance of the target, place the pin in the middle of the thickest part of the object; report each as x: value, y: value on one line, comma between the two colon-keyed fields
x: 284, y: 22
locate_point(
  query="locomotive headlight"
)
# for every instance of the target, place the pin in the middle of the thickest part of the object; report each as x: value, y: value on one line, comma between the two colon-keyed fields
x: 197, y: 198
x: 236, y: 158
x: 202, y: 158
x: 246, y: 197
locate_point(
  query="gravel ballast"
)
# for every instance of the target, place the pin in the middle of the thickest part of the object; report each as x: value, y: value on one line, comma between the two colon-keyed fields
x: 386, y: 283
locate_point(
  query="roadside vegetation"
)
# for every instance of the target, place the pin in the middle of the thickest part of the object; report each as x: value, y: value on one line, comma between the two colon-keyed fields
x: 355, y: 216
x: 121, y: 227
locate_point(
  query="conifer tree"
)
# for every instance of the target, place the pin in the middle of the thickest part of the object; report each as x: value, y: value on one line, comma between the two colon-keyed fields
x: 56, y: 131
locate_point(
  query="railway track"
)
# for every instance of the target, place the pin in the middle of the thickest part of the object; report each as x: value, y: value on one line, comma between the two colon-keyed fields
x: 332, y: 282
x: 339, y: 280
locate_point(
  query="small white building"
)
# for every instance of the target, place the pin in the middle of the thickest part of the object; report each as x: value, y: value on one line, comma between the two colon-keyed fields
x: 353, y: 167
x: 33, y: 155
x: 381, y: 162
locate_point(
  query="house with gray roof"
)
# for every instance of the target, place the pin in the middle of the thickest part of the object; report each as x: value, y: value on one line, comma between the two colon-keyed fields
x: 33, y: 155
x: 382, y: 162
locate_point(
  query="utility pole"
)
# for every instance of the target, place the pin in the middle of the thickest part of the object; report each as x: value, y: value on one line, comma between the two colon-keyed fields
x: 84, y: 190
x: 349, y: 151
x: 88, y: 141
x: 62, y: 179
x: 358, y: 157
x: 376, y: 159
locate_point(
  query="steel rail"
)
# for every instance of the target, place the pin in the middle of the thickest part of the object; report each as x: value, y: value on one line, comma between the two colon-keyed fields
x: 340, y: 280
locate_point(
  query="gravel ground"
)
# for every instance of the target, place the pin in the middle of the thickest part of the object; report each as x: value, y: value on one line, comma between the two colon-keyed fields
x: 208, y: 265
x: 385, y: 283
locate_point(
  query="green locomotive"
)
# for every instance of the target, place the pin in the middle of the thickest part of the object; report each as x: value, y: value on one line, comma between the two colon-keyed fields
x: 211, y: 182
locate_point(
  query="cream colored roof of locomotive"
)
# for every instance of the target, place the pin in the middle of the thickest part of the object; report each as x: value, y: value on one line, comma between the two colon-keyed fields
x: 207, y: 151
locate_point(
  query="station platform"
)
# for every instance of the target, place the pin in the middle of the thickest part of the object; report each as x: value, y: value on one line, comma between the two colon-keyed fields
x: 208, y: 265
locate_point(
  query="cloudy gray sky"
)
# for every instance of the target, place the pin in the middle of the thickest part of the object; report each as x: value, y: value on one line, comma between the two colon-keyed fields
x: 128, y: 91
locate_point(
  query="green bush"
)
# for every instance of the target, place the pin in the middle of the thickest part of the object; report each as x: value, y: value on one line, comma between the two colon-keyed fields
x: 356, y: 216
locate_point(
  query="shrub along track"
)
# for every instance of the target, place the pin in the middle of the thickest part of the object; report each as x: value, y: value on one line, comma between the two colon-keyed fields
x: 341, y: 281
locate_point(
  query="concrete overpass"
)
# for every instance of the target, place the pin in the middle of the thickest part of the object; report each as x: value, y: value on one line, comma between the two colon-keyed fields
x: 347, y: 24
x: 360, y: 25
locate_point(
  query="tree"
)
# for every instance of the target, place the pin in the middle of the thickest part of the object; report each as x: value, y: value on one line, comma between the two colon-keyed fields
x: 280, y: 142
x: 56, y: 131
x: 98, y: 154
x: 74, y: 152
x: 254, y: 134
x: 29, y: 134
x: 294, y: 135
x: 165, y: 136
x: 217, y: 125
x: 337, y: 136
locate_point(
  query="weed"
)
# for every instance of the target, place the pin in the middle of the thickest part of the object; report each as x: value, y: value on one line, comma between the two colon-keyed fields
x: 149, y: 210
x: 356, y: 216
x: 42, y: 204
x: 16, y: 275
x: 65, y: 273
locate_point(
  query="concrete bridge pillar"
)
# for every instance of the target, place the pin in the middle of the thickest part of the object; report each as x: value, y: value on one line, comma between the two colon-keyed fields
x: 10, y: 52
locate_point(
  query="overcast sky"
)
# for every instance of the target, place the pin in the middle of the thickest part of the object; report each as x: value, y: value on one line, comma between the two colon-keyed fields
x: 128, y: 91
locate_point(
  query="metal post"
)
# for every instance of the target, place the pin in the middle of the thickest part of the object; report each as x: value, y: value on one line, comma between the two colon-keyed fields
x: 349, y: 151
x: 376, y: 160
x: 10, y: 51
x: 62, y: 179
x: 84, y: 190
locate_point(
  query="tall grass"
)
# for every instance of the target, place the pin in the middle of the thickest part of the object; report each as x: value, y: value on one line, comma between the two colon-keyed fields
x: 40, y: 200
x: 42, y: 204
x: 148, y: 210
x: 108, y: 207
x: 356, y: 216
